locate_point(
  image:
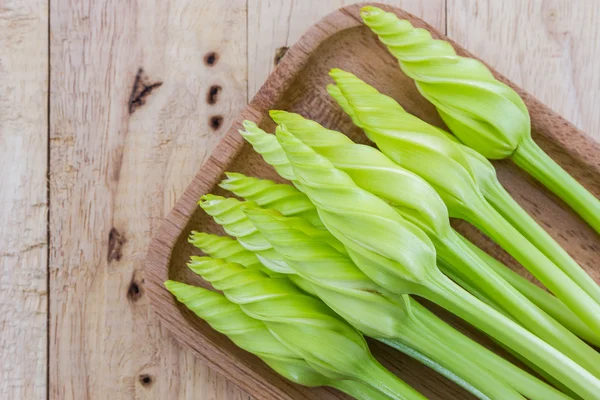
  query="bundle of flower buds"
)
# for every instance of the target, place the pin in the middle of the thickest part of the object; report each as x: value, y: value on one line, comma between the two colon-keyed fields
x: 343, y: 249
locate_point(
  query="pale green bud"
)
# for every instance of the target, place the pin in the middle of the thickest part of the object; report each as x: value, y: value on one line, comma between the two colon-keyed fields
x: 484, y: 113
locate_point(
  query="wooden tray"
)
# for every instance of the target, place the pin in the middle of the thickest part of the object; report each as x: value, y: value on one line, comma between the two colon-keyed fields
x: 298, y: 84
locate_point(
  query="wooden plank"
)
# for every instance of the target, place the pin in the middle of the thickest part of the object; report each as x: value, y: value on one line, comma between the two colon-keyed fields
x: 273, y: 26
x: 132, y: 120
x: 549, y: 48
x: 23, y: 198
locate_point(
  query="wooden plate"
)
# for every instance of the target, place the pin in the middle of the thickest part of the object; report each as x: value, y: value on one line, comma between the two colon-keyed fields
x: 298, y: 84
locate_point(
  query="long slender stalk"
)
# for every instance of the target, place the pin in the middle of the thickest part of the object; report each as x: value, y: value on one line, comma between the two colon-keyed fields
x: 540, y: 297
x: 388, y: 384
x: 504, y: 203
x: 461, y: 257
x: 522, y: 381
x: 538, y: 164
x: 455, y: 299
x: 503, y: 233
x: 359, y: 390
x: 434, y: 365
x: 422, y: 338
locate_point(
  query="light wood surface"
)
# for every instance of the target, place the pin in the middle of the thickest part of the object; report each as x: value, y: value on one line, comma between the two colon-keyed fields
x: 130, y: 125
x: 23, y: 198
x: 101, y: 343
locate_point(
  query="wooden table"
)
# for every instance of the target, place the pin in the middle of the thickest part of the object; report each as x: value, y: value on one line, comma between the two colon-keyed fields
x: 108, y: 108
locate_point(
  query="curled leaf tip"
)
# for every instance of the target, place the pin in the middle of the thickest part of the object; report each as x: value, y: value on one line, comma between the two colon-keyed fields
x: 368, y: 11
x: 276, y: 113
x: 249, y: 124
x: 207, y: 198
x: 233, y: 175
x: 332, y: 89
x: 338, y: 74
x: 281, y: 117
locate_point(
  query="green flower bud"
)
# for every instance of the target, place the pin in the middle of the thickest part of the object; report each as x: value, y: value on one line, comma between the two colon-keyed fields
x: 224, y: 247
x: 267, y: 146
x: 359, y: 219
x: 303, y: 324
x: 282, y: 197
x: 484, y: 113
x: 253, y: 336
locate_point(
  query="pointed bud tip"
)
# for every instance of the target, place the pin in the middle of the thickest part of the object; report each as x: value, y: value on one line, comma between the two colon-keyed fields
x: 370, y: 12
x: 277, y: 115
x: 231, y: 177
x: 210, y: 197
x: 174, y: 286
x: 340, y: 76
x: 194, y: 235
x: 332, y: 89
x: 247, y: 124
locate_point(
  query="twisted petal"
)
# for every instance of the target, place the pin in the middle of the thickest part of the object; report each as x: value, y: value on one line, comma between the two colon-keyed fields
x: 281, y: 197
x: 364, y: 223
x: 266, y: 145
x: 247, y: 333
x: 478, y: 165
x: 224, y: 247
x: 371, y: 170
x: 484, y: 113
x: 411, y: 143
x: 303, y: 323
x: 228, y: 212
x: 335, y: 278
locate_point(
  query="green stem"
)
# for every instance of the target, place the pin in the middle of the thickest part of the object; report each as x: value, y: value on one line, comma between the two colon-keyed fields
x: 466, y: 283
x: 458, y: 301
x: 502, y: 232
x: 544, y: 300
x: 434, y: 365
x: 525, y: 383
x: 487, y: 385
x: 530, y: 157
x: 358, y: 390
x: 514, y: 213
x: 379, y: 378
x: 455, y: 252
x: 543, y: 374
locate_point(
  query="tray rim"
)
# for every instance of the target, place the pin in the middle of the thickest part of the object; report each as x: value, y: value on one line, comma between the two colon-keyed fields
x: 157, y: 261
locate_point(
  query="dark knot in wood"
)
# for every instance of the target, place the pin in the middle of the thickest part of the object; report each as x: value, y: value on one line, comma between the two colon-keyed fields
x: 213, y: 94
x: 279, y: 53
x: 146, y: 380
x: 216, y: 121
x: 142, y: 88
x: 211, y: 58
x: 115, y: 245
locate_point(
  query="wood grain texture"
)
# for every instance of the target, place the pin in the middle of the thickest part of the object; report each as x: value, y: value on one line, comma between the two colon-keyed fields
x: 275, y: 25
x: 298, y: 84
x: 548, y: 47
x: 23, y: 198
x: 132, y: 118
